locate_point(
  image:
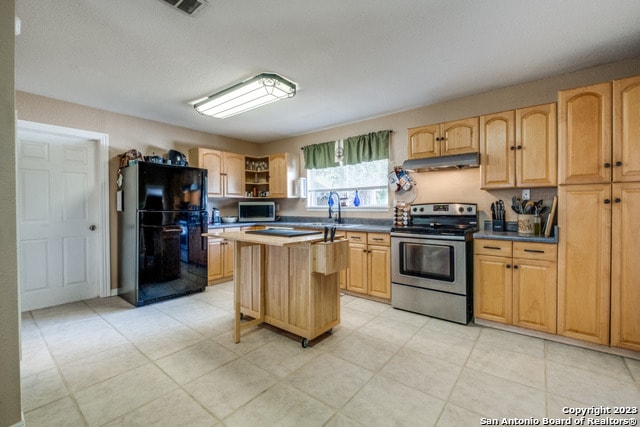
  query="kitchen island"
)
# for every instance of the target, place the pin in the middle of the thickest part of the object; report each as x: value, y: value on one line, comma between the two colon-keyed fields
x: 287, y: 282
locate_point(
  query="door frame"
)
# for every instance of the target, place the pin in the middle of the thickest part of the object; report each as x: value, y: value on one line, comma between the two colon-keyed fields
x: 102, y: 187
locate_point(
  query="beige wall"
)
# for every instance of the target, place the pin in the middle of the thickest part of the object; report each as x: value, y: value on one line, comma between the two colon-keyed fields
x: 125, y: 132
x: 457, y: 186
x: 10, y: 406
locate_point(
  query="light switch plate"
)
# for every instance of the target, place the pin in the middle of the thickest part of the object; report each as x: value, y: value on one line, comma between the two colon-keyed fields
x: 526, y: 194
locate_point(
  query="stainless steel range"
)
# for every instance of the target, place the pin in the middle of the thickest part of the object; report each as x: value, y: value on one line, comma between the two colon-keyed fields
x: 432, y: 261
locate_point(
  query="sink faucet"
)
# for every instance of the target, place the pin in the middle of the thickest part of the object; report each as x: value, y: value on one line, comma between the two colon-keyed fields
x: 330, y: 202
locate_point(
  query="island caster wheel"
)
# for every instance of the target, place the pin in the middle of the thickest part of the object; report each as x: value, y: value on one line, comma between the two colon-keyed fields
x: 330, y: 331
x: 305, y: 343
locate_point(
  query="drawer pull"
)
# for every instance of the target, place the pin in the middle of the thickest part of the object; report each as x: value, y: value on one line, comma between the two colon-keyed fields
x: 492, y: 247
x: 537, y: 251
x: 377, y: 239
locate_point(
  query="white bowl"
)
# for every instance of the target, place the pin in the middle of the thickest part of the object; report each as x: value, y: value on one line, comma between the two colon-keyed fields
x: 229, y: 219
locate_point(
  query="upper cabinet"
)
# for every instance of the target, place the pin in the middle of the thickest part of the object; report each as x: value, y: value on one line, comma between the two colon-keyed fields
x: 598, y: 128
x: 225, y: 171
x: 519, y: 148
x: 584, y: 132
x: 236, y: 175
x: 271, y: 176
x: 283, y: 174
x: 626, y: 128
x: 233, y: 175
x: 444, y: 139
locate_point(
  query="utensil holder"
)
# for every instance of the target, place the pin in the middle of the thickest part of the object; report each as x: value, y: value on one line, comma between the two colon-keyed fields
x: 526, y: 224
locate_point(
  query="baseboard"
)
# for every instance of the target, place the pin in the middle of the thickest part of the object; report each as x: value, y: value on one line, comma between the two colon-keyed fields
x: 558, y: 338
x: 21, y: 423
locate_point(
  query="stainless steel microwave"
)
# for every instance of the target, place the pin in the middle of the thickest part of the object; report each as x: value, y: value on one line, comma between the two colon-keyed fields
x: 256, y: 211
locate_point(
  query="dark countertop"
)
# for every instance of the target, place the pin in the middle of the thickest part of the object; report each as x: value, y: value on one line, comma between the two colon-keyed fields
x: 514, y: 236
x: 319, y: 225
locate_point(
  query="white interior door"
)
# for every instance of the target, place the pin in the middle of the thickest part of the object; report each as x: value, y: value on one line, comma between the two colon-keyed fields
x: 58, y: 219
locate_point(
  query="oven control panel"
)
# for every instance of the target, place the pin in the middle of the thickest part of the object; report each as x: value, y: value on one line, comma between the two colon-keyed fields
x: 444, y: 209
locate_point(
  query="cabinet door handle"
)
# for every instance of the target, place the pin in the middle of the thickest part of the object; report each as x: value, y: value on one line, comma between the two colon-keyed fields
x: 512, y: 148
x: 617, y: 200
x: 515, y: 267
x: 607, y: 165
x: 519, y: 147
x: 534, y: 250
x: 508, y: 265
x: 492, y: 247
x: 618, y: 163
x: 607, y: 201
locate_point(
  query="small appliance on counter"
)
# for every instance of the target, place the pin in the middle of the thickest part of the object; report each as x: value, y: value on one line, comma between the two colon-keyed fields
x: 257, y: 211
x: 176, y: 158
x: 215, y: 216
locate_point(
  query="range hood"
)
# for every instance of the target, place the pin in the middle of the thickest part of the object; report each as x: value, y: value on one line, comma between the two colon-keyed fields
x: 458, y: 161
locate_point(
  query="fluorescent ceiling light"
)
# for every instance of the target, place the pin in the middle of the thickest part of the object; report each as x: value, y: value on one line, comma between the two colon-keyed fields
x: 255, y: 92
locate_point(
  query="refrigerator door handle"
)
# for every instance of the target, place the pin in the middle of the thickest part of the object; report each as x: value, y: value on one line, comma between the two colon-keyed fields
x: 204, y: 225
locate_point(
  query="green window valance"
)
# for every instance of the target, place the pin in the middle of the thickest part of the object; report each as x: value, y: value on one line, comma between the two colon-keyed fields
x: 357, y: 149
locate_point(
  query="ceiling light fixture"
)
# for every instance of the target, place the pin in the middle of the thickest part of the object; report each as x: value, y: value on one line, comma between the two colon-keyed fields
x: 255, y: 92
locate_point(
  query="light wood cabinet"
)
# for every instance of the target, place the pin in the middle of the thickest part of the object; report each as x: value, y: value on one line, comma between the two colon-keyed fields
x: 283, y: 175
x: 225, y: 171
x: 599, y: 131
x: 369, y: 264
x: 515, y: 283
x: 518, y: 148
x: 215, y: 256
x: 584, y: 221
x: 626, y: 130
x: 444, y: 139
x: 625, y: 267
x: 233, y: 175
x: 493, y: 286
x: 220, y: 257
x: 584, y: 133
x: 221, y: 254
x: 358, y: 263
x: 276, y: 176
x: 211, y: 160
x: 291, y: 285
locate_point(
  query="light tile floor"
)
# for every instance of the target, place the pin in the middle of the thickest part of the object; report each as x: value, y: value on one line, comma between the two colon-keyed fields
x: 103, y: 362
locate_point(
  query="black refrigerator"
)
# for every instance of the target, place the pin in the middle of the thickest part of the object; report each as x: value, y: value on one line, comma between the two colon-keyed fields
x: 161, y: 251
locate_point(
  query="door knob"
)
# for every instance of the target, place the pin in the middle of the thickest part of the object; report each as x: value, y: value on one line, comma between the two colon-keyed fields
x: 92, y: 227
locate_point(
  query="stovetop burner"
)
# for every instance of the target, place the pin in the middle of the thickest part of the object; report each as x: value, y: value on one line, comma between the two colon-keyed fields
x: 457, y: 219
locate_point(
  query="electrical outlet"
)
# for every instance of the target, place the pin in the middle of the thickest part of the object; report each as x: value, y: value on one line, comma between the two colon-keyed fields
x: 526, y: 194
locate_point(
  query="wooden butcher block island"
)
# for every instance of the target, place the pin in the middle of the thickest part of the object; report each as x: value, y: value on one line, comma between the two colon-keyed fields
x: 290, y: 282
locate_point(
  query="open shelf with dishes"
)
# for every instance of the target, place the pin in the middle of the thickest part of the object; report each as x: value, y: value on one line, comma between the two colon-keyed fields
x: 256, y: 176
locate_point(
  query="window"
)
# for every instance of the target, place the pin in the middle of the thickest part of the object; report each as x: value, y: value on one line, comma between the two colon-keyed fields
x: 369, y: 179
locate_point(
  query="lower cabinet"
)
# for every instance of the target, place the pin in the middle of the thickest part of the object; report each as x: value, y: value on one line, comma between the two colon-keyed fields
x: 214, y: 253
x: 369, y: 269
x: 515, y: 283
x: 221, y: 255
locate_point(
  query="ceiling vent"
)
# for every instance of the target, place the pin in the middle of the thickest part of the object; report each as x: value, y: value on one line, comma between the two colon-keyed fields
x: 190, y: 7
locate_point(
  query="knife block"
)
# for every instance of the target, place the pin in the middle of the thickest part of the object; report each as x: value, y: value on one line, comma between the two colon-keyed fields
x: 329, y: 257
